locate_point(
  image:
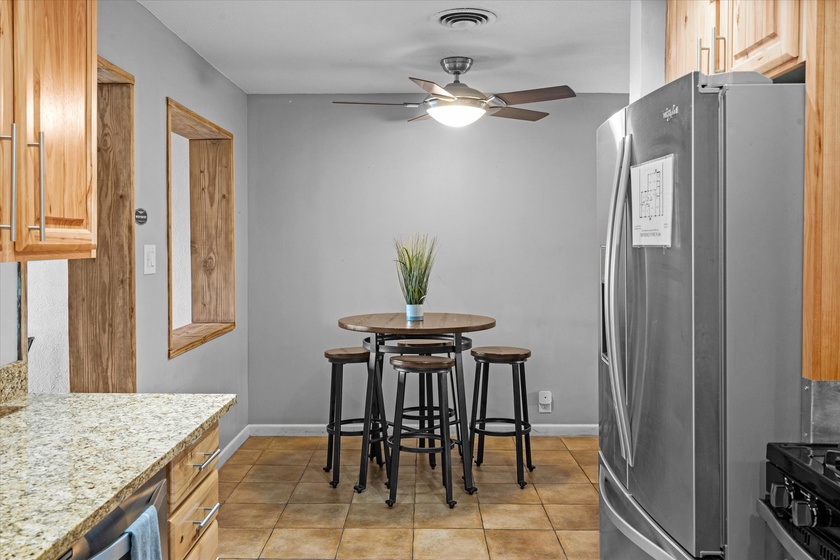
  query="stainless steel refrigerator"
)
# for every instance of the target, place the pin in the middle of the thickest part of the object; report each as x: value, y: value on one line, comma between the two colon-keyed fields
x: 700, y: 227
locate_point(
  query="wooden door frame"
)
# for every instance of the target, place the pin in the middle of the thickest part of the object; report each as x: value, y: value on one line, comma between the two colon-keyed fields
x: 102, y: 294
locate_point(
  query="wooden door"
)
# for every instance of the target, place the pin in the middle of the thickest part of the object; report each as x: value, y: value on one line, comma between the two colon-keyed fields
x: 764, y: 34
x: 55, y: 96
x: 7, y: 119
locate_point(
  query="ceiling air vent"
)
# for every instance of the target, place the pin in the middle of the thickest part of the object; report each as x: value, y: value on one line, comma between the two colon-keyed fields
x: 464, y: 18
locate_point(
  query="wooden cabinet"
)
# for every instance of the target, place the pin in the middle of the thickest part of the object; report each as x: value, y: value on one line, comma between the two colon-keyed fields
x: 764, y: 35
x: 48, y: 187
x: 688, y: 36
x: 193, y: 484
x: 743, y: 35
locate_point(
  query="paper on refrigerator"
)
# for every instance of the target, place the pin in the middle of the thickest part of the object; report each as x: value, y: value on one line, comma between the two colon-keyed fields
x: 652, y: 208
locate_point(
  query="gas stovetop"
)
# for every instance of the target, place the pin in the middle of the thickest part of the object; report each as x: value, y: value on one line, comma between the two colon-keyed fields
x: 815, y: 466
x: 803, y: 490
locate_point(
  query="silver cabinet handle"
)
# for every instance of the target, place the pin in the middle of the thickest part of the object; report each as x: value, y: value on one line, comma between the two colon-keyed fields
x: 616, y: 221
x: 13, y: 224
x: 41, y: 151
x: 700, y: 50
x: 713, y: 69
x: 715, y: 39
x: 203, y: 523
x: 210, y: 457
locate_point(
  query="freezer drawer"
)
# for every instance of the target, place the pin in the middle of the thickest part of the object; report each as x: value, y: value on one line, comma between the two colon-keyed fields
x: 627, y: 532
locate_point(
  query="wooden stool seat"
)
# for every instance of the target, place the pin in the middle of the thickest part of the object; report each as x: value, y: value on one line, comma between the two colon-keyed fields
x: 500, y: 354
x: 422, y: 363
x: 346, y: 355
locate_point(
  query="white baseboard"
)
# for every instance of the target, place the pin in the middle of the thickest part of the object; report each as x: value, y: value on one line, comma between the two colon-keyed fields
x: 235, y: 444
x: 288, y: 429
x: 564, y: 429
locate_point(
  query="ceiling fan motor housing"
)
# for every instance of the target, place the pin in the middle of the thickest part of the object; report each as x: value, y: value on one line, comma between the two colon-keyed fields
x: 456, y: 65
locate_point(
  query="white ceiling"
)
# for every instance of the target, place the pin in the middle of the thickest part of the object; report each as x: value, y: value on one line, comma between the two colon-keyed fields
x: 372, y: 46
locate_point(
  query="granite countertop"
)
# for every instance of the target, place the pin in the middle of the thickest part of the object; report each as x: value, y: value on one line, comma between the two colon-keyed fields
x: 67, y: 460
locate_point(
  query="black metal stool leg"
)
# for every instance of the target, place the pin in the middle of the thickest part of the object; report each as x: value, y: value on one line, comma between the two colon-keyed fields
x: 476, y: 392
x: 446, y: 454
x: 430, y: 411
x: 457, y: 418
x: 394, y: 475
x: 363, y: 465
x: 383, y: 421
x: 331, y: 423
x: 517, y: 422
x: 336, y: 451
x: 525, y: 418
x: 485, y: 380
x: 421, y: 389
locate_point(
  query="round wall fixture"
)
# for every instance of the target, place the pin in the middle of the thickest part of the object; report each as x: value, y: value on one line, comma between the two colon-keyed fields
x: 462, y: 19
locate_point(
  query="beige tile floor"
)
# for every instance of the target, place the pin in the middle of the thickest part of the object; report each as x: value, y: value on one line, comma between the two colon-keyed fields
x: 277, y: 503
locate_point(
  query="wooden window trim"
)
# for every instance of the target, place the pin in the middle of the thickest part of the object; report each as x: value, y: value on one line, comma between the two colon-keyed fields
x: 207, y: 323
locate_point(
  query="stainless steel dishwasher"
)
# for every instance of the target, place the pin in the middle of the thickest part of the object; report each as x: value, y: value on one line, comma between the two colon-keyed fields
x: 108, y: 541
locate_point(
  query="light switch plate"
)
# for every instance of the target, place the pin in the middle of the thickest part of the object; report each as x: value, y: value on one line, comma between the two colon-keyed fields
x: 149, y: 259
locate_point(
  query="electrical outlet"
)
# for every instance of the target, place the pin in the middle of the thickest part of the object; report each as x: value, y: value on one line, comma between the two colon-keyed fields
x: 149, y: 259
x: 545, y: 402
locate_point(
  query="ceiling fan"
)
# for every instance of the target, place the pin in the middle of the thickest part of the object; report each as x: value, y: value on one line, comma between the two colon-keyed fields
x: 457, y: 104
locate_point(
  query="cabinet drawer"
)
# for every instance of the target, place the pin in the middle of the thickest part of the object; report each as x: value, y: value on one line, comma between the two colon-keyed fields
x: 207, y: 547
x: 184, y: 473
x: 185, y: 524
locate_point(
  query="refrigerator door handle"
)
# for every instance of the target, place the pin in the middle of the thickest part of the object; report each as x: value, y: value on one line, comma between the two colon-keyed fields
x: 607, y: 480
x: 614, y: 225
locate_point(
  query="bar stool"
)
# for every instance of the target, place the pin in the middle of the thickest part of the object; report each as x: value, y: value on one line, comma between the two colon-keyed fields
x: 423, y: 365
x: 421, y: 413
x: 339, y: 357
x: 516, y: 357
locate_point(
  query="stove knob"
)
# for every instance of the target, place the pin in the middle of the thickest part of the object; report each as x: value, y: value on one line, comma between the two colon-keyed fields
x: 779, y: 496
x: 803, y: 514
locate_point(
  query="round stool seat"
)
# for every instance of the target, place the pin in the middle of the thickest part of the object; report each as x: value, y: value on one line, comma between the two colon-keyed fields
x: 422, y: 363
x: 347, y: 355
x: 421, y: 342
x: 501, y: 354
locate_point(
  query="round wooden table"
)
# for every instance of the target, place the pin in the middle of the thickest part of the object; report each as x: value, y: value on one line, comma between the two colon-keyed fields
x: 387, y: 327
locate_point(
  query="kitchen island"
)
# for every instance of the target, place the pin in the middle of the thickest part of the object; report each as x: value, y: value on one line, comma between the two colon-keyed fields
x: 67, y: 460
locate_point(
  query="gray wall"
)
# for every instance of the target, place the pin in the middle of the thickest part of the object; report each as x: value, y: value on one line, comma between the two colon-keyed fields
x: 512, y: 204
x: 163, y: 65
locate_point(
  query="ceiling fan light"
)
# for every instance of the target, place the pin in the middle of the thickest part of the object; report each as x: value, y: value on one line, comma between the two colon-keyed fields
x: 456, y: 115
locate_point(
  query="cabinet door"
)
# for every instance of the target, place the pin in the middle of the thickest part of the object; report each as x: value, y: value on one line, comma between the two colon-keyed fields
x: 55, y: 67
x: 7, y: 118
x: 688, y: 21
x: 765, y: 34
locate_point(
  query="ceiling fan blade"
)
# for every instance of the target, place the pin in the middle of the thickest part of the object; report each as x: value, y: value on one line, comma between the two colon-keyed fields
x: 422, y: 117
x: 536, y: 95
x: 367, y: 103
x: 432, y: 88
x: 516, y: 113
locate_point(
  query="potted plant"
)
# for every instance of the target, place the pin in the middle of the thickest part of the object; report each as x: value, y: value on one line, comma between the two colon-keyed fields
x: 415, y: 257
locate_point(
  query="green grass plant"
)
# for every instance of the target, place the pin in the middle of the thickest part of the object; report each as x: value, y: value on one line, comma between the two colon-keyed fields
x: 415, y: 257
